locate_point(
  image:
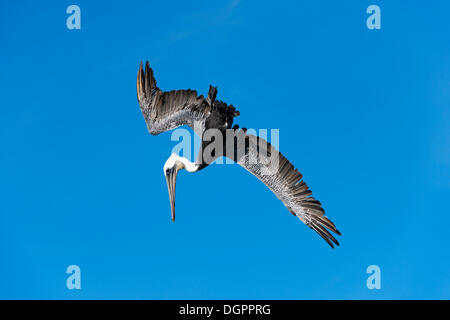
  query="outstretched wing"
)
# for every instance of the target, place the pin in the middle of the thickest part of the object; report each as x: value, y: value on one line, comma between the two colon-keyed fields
x: 167, y: 110
x: 262, y: 160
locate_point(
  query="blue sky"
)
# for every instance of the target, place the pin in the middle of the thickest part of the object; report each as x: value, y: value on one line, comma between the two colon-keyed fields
x: 364, y: 115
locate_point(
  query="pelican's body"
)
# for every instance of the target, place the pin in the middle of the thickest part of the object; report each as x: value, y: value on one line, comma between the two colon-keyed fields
x: 168, y: 110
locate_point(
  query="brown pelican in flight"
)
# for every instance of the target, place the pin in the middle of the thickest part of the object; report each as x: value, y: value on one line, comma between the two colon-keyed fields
x: 167, y: 110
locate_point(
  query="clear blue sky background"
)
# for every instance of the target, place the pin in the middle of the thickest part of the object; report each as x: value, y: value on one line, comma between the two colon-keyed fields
x: 364, y: 115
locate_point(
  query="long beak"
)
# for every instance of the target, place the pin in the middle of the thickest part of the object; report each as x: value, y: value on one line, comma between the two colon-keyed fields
x: 171, y: 178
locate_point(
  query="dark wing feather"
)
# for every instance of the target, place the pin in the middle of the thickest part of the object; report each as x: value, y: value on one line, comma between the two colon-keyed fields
x: 259, y: 158
x: 167, y: 110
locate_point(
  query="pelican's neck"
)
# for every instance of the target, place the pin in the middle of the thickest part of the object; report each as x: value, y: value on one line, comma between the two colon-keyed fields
x: 189, y: 166
x: 185, y: 163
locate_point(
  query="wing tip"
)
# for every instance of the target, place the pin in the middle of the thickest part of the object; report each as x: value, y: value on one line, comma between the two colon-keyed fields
x: 145, y: 82
x: 321, y: 229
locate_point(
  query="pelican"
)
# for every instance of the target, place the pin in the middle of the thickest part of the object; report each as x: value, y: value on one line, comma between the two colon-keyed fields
x: 167, y: 110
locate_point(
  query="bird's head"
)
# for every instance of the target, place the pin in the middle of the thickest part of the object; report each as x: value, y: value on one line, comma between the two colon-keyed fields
x: 174, y: 164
